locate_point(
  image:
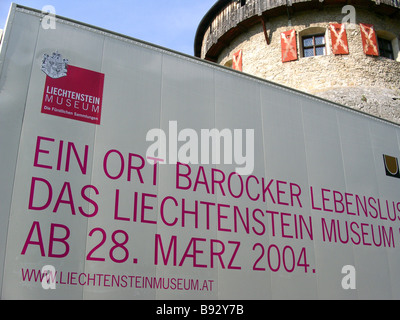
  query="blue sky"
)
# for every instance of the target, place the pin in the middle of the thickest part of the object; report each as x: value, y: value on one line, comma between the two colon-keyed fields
x: 171, y: 24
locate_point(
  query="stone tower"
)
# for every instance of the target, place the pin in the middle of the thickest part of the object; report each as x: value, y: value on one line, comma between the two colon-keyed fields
x: 346, y: 51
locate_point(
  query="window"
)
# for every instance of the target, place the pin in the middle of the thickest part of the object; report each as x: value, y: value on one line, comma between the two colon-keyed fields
x: 314, y: 45
x: 388, y: 45
x: 228, y: 63
x: 385, y: 48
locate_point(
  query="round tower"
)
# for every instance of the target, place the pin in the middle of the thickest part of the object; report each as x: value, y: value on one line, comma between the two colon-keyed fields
x: 343, y: 51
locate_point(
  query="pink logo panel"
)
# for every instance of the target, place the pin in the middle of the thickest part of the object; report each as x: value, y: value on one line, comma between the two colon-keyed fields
x: 77, y: 96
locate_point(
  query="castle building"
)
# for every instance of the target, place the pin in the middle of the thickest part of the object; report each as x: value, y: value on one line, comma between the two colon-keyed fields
x: 346, y: 51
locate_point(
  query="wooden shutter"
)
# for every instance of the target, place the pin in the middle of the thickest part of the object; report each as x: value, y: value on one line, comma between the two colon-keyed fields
x: 368, y: 37
x: 237, y: 61
x: 339, y: 38
x: 289, y: 45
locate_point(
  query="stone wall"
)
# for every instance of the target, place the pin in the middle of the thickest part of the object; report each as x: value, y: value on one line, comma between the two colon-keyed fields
x: 370, y: 84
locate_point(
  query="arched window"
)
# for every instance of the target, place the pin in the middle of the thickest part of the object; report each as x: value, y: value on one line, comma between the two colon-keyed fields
x: 313, y: 42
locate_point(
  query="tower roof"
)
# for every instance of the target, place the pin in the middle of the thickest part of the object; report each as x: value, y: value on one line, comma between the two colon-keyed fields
x: 206, y: 21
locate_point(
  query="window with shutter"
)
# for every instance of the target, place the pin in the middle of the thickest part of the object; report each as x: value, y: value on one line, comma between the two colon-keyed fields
x: 339, y: 38
x: 368, y: 37
x: 289, y: 46
x: 237, y: 61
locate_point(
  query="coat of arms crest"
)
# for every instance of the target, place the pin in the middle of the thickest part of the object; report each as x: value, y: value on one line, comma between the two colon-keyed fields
x: 54, y: 66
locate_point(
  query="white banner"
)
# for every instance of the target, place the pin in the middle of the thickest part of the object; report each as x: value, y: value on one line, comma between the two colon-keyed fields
x: 131, y: 172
